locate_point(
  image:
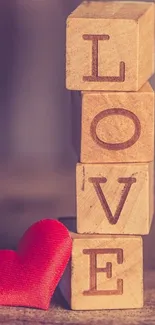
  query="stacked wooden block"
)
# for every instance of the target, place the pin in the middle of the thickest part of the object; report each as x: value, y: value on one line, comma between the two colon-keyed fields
x: 110, y: 56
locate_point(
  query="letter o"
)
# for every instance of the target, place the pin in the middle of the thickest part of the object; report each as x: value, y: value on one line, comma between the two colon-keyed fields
x: 115, y: 146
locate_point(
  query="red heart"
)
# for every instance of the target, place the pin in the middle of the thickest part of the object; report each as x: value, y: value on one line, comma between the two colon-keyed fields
x: 29, y: 276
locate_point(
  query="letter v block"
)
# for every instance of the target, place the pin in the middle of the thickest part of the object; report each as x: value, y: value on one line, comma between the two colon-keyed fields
x: 105, y: 272
x: 118, y: 126
x: 110, y: 45
x: 115, y: 198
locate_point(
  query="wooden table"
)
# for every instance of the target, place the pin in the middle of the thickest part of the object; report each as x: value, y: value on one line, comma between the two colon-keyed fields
x: 60, y: 314
x: 22, y: 195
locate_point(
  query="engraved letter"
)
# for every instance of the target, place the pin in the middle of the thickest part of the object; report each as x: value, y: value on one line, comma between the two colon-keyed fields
x: 95, y: 77
x: 93, y: 290
x: 115, y: 146
x: 128, y: 181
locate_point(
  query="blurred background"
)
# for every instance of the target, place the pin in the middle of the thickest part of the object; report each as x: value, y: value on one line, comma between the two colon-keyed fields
x: 37, y: 159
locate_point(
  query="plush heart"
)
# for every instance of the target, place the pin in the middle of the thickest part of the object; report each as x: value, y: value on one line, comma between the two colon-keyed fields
x: 29, y: 276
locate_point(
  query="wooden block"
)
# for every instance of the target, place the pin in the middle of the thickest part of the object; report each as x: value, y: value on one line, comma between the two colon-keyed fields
x: 115, y: 198
x: 110, y: 45
x: 118, y: 126
x: 105, y: 272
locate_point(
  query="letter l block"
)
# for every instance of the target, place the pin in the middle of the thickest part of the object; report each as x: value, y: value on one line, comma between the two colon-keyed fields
x: 105, y: 272
x: 110, y: 45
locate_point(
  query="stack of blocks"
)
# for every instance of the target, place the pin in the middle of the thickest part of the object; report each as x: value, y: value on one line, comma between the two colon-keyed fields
x: 110, y: 56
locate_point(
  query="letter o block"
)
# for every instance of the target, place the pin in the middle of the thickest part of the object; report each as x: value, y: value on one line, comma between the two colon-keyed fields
x: 105, y: 272
x: 110, y: 46
x: 117, y: 126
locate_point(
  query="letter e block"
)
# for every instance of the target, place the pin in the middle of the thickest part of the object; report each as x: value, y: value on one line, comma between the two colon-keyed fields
x: 110, y: 45
x: 105, y: 272
x: 115, y: 198
x: 118, y: 126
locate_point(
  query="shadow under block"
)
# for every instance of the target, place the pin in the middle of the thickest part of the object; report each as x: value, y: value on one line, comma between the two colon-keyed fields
x: 105, y: 272
x: 110, y: 46
x: 117, y: 126
x: 115, y: 198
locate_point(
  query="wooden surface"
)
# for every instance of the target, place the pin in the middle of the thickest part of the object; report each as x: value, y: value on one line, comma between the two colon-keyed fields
x: 58, y: 314
x: 146, y: 60
x: 118, y: 127
x: 27, y: 194
x: 97, y: 29
x: 115, y: 198
x: 105, y: 272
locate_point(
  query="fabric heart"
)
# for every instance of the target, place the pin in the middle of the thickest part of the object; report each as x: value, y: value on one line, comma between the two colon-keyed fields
x: 29, y: 276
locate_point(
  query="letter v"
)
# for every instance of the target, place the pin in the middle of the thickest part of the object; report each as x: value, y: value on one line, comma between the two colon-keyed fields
x: 128, y: 181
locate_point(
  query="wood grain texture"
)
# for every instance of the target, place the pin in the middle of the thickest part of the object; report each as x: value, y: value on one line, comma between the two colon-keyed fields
x: 118, y: 127
x: 60, y: 314
x: 105, y: 272
x: 106, y: 48
x: 115, y: 198
x: 146, y: 59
